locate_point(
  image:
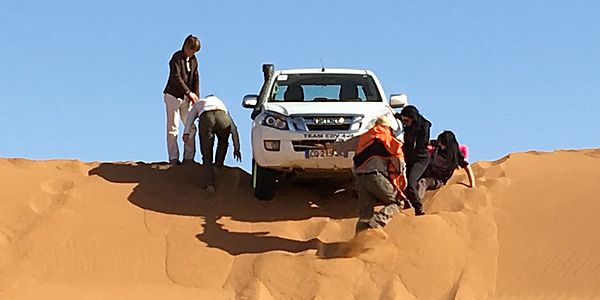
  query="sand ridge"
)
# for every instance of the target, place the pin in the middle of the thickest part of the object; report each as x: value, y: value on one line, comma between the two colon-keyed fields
x: 133, y: 230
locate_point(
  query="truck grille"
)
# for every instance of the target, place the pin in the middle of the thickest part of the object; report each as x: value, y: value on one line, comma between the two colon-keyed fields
x: 328, y: 123
x: 303, y: 145
x: 328, y: 127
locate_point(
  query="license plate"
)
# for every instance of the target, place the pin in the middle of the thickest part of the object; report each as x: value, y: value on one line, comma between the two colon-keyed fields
x: 320, y: 153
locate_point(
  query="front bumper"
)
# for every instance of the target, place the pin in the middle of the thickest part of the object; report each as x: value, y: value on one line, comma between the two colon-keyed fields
x: 292, y: 152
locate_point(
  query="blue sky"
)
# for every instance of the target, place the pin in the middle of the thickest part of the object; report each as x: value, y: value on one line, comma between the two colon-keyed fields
x: 83, y: 80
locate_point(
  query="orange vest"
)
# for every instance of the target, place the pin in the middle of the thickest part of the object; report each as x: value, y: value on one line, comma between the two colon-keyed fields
x: 393, y: 146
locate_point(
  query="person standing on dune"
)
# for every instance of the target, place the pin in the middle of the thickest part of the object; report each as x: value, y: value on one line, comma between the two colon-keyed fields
x: 416, y: 140
x: 214, y: 121
x: 180, y: 93
x: 379, y: 173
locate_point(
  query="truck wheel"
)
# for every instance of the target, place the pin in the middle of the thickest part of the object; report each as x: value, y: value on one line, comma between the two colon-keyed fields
x: 264, y: 181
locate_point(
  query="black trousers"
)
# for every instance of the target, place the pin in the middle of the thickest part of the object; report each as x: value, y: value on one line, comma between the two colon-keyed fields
x: 414, y: 171
x: 213, y: 123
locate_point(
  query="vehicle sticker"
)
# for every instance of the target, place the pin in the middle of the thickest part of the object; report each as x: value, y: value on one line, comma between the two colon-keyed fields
x: 282, y: 77
x: 340, y: 136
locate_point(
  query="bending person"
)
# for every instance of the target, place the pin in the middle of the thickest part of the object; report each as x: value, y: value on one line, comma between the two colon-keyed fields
x: 214, y: 120
x: 379, y: 173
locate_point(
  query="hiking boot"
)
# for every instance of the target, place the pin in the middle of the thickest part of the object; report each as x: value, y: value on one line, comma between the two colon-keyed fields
x: 378, y: 221
x: 419, y: 211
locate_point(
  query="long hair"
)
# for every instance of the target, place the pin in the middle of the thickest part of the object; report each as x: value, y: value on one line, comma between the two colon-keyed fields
x: 448, y: 139
x: 412, y: 112
x: 191, y: 42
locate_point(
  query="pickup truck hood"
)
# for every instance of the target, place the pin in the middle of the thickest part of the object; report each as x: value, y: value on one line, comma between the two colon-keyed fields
x: 328, y: 108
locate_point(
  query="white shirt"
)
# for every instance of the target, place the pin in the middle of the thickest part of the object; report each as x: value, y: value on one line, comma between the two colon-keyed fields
x: 204, y: 104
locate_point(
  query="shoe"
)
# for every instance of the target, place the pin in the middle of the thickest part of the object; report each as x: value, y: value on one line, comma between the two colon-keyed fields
x: 188, y: 162
x: 174, y: 162
x: 378, y: 221
x: 419, y: 211
x: 210, y: 189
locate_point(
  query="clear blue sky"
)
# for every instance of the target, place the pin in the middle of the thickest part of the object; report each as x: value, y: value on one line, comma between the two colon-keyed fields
x: 84, y: 79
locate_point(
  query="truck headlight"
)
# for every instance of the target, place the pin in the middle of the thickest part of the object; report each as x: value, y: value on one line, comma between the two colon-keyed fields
x: 276, y: 121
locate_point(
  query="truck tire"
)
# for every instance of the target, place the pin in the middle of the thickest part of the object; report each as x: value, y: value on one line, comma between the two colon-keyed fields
x: 264, y: 181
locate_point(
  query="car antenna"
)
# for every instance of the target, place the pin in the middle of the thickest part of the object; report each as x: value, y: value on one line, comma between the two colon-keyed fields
x: 322, y: 64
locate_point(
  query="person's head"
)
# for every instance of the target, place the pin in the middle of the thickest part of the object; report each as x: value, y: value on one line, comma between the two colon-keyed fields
x: 191, y: 45
x: 409, y: 115
x: 447, y: 141
x: 383, y: 121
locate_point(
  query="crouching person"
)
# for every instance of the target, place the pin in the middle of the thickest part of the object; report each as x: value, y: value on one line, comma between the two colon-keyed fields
x: 214, y: 120
x: 447, y: 155
x: 379, y: 174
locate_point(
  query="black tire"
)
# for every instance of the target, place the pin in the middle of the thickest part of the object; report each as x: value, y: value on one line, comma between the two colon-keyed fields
x: 264, y: 181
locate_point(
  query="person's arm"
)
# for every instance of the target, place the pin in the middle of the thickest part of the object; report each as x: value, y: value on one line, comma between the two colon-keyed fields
x: 191, y: 118
x: 237, y: 154
x: 398, y: 164
x: 196, y: 80
x: 422, y: 139
x: 470, y: 174
x: 344, y: 146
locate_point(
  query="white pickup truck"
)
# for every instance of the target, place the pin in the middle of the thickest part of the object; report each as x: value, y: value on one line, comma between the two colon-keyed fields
x: 299, y: 110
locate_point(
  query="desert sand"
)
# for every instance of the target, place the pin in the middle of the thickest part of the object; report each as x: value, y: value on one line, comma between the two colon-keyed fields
x: 132, y: 230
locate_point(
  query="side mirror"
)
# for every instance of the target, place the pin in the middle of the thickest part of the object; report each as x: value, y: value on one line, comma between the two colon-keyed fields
x: 398, y: 100
x: 250, y: 101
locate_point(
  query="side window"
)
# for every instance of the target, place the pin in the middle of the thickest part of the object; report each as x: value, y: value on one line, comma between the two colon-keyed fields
x: 361, y: 93
x: 278, y: 92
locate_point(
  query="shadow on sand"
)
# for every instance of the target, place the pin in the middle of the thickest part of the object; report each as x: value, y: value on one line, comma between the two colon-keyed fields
x: 177, y: 191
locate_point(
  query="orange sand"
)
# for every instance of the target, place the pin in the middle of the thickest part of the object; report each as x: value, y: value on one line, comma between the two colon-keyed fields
x: 73, y: 230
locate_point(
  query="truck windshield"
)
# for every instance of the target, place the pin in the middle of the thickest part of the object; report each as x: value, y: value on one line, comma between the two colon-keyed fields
x: 324, y: 88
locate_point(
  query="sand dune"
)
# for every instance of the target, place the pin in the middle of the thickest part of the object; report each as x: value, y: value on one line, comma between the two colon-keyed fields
x: 73, y: 230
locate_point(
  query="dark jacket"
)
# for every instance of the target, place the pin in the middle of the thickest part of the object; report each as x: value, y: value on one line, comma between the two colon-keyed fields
x: 181, y: 81
x: 416, y: 139
x: 440, y: 167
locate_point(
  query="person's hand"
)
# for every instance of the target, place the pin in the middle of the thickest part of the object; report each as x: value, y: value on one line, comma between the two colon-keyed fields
x: 192, y: 97
x: 185, y: 137
x: 324, y: 146
x: 237, y: 155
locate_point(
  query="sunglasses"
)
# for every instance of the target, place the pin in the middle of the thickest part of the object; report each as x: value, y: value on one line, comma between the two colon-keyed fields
x: 405, y: 119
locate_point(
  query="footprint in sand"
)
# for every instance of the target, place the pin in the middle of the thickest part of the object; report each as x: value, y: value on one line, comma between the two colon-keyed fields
x: 56, y: 186
x: 56, y: 194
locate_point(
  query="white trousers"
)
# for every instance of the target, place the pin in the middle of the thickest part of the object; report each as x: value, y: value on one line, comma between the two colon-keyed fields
x: 177, y: 111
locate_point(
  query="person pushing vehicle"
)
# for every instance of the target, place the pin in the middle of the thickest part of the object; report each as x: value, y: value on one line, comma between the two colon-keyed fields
x: 214, y: 120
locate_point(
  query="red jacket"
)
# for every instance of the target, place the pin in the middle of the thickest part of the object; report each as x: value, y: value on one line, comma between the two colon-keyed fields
x: 393, y: 146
